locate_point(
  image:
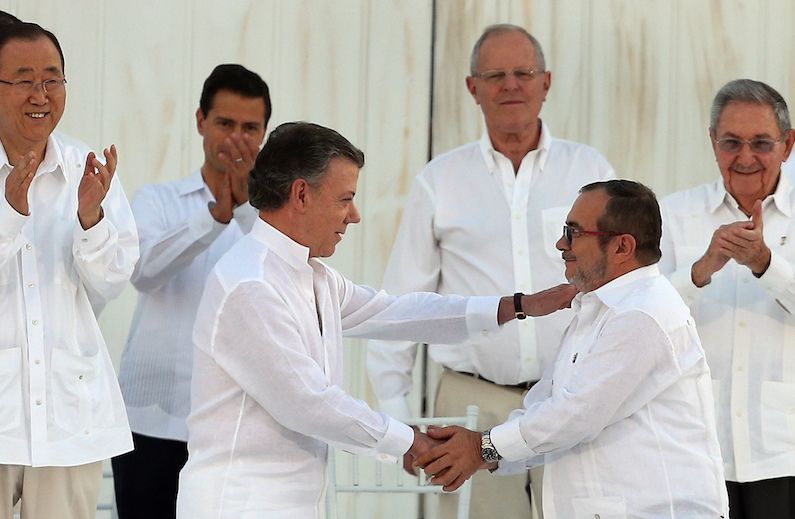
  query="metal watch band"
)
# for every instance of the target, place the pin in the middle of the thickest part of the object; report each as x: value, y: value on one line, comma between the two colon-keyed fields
x: 487, y: 450
x: 517, y: 306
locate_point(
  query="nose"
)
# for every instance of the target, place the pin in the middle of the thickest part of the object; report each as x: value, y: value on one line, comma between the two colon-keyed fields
x: 562, y: 243
x: 510, y: 82
x: 38, y: 95
x: 353, y: 214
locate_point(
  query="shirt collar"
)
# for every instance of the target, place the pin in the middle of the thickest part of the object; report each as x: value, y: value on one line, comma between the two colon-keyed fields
x: 781, y: 196
x: 488, y: 152
x: 193, y: 183
x: 53, y: 158
x: 614, y: 291
x: 295, y: 254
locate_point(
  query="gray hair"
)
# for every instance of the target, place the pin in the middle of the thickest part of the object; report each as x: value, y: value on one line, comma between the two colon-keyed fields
x: 293, y: 151
x: 749, y: 91
x: 501, y: 28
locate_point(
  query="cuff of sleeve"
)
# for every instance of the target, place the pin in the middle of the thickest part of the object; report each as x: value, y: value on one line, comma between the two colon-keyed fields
x: 510, y: 468
x: 93, y: 237
x: 682, y: 279
x: 482, y: 314
x: 396, y: 441
x: 203, y: 225
x: 778, y: 273
x: 396, y: 407
x: 507, y: 439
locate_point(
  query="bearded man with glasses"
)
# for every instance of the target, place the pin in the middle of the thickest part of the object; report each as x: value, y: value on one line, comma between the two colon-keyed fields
x: 727, y: 249
x: 68, y: 244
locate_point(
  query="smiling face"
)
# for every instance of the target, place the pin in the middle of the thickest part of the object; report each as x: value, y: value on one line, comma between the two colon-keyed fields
x: 27, y: 118
x: 750, y: 176
x: 330, y: 208
x: 586, y: 262
x: 510, y: 106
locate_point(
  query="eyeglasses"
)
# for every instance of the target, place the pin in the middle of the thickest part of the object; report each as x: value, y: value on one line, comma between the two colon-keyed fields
x: 760, y: 146
x: 496, y: 77
x: 26, y: 86
x: 573, y: 232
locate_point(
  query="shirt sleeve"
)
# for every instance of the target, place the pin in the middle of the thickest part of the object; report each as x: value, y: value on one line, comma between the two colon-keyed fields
x: 619, y: 375
x: 258, y: 343
x: 167, y: 248
x: 779, y: 281
x: 105, y: 254
x: 413, y: 266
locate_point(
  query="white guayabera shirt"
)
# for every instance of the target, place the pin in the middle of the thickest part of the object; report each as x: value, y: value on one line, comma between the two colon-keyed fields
x: 266, y: 394
x: 180, y: 243
x: 746, y: 324
x: 60, y: 404
x: 623, y: 420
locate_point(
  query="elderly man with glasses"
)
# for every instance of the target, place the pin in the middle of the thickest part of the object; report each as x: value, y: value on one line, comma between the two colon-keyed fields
x: 483, y: 218
x: 728, y: 250
x: 68, y: 244
x: 623, y: 420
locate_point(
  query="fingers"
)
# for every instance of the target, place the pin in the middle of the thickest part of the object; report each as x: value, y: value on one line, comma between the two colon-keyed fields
x: 441, y: 433
x: 240, y: 152
x: 111, y: 159
x: 756, y: 215
x: 18, y: 182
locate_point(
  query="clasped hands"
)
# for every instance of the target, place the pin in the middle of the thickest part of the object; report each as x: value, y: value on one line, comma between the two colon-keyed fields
x: 448, y: 455
x: 741, y: 241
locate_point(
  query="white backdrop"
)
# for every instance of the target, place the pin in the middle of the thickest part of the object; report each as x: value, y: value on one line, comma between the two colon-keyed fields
x: 633, y: 78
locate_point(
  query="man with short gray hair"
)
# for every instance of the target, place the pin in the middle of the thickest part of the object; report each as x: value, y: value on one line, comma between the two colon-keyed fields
x: 483, y: 218
x: 728, y: 250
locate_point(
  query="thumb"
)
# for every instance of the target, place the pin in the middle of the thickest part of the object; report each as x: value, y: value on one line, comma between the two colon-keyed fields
x: 756, y: 215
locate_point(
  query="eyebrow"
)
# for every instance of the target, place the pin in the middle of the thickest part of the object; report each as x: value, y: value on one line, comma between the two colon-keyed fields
x: 51, y: 68
x: 731, y: 135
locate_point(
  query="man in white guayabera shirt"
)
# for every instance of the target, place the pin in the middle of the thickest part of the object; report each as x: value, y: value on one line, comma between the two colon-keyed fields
x: 623, y: 420
x: 729, y: 250
x: 68, y: 244
x: 266, y: 398
x: 483, y: 219
x: 184, y: 227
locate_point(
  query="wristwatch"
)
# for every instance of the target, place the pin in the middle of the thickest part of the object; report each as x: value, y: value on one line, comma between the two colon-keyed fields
x: 517, y: 306
x: 487, y: 450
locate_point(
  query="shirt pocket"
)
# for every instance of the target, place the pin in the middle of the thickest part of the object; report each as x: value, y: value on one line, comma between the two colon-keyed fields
x: 77, y: 396
x: 552, y: 221
x: 778, y: 416
x: 10, y: 388
x: 599, y: 508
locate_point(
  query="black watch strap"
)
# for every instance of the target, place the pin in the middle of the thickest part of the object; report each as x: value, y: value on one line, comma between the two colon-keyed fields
x: 517, y: 306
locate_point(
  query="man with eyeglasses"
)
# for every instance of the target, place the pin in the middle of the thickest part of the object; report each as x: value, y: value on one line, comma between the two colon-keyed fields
x: 68, y: 244
x: 623, y: 420
x: 729, y: 251
x: 185, y: 225
x: 483, y: 218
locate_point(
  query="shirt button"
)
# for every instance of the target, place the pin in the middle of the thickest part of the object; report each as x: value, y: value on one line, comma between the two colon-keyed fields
x: 28, y: 246
x: 484, y: 333
x: 84, y: 240
x: 741, y: 324
x: 86, y: 432
x: 37, y: 362
x: 38, y: 402
x: 35, y: 322
x: 739, y: 369
x: 31, y: 285
x: 597, y: 516
x: 738, y: 414
x: 80, y: 377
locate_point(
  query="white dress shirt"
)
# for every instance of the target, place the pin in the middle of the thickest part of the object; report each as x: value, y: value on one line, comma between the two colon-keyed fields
x: 623, y: 420
x: 746, y: 326
x: 60, y: 404
x: 180, y: 243
x: 267, y: 377
x: 472, y: 226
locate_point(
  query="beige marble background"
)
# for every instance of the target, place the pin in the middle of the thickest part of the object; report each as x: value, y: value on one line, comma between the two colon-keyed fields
x: 634, y: 78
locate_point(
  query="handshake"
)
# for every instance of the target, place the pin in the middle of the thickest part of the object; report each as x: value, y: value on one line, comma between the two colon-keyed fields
x: 448, y: 455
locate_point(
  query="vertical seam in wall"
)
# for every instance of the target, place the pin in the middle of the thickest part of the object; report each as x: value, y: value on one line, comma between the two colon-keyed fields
x: 672, y: 59
x: 100, y: 76
x: 587, y: 131
x: 364, y: 80
x: 189, y: 69
x: 432, y: 81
